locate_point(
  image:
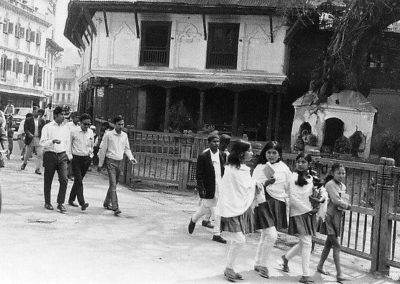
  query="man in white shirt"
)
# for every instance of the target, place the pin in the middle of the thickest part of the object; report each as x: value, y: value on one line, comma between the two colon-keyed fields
x: 209, y: 172
x: 72, y: 126
x: 48, y: 113
x: 56, y: 143
x: 82, y: 141
x: 114, y: 145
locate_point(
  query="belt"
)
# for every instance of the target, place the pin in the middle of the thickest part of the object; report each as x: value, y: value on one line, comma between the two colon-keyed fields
x: 113, y: 160
x: 81, y: 156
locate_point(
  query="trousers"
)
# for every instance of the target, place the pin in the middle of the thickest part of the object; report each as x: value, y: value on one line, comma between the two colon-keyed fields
x: 80, y: 166
x: 114, y: 172
x: 303, y: 247
x: 53, y: 162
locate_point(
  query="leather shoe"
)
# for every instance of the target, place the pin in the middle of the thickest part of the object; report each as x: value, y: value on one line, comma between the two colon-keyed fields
x: 71, y: 203
x: 207, y: 224
x: 191, y: 226
x: 48, y: 206
x: 107, y: 206
x: 38, y: 172
x: 218, y: 238
x: 117, y: 212
x: 84, y: 206
x: 23, y: 166
x: 61, y: 208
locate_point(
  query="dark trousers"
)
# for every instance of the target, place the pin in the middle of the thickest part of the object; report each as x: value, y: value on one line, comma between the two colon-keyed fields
x: 53, y: 162
x: 114, y: 172
x: 80, y: 166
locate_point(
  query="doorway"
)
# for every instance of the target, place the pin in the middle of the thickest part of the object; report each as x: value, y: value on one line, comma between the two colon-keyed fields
x: 334, y: 128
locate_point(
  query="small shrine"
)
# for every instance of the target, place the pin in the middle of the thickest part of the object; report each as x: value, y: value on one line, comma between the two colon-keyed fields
x: 342, y: 125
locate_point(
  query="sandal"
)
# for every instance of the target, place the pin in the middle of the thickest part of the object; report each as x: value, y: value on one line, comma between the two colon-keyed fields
x: 322, y: 271
x: 285, y: 266
x: 264, y: 272
x: 239, y: 276
x: 306, y: 280
x: 230, y: 275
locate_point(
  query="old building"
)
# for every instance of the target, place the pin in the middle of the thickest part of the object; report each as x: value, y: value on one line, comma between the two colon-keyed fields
x: 176, y: 65
x: 26, y: 54
x: 51, y: 53
x: 66, y: 87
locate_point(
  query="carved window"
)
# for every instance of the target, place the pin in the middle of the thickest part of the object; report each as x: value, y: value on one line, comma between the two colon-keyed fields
x: 222, y: 45
x: 155, y: 42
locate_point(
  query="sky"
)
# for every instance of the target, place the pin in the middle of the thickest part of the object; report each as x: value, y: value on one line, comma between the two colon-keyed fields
x: 70, y: 54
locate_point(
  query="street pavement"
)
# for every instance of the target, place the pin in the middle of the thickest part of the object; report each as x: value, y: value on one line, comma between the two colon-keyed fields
x: 148, y: 243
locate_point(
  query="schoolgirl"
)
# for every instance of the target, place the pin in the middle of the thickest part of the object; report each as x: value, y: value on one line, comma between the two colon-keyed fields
x: 270, y: 215
x: 333, y: 219
x: 302, y: 221
x: 236, y: 196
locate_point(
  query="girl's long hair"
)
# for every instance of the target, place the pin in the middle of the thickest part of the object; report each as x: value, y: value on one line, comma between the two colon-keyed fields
x: 239, y: 147
x: 270, y: 145
x: 301, y: 176
x: 334, y: 167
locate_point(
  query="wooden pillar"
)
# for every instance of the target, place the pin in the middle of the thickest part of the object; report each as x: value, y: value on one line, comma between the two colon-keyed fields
x: 166, y: 113
x: 270, y: 116
x: 200, y: 122
x: 382, y: 227
x: 141, y: 107
x: 235, y: 113
x: 277, y: 115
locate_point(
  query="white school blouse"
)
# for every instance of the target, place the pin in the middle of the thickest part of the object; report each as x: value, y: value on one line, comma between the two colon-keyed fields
x: 299, y: 202
x: 236, y: 192
x: 282, y: 175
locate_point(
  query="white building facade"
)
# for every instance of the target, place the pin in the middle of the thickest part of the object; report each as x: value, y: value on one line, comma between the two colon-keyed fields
x: 66, y: 87
x: 144, y: 59
x: 25, y: 73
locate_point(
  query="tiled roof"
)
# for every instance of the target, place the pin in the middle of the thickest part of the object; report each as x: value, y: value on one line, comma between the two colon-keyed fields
x: 247, y: 3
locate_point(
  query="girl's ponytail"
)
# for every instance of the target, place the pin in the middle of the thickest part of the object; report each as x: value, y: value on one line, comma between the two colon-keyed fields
x: 301, y: 177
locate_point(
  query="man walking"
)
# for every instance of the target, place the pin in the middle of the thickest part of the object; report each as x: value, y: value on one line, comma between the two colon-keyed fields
x: 48, y: 113
x: 114, y: 145
x: 33, y: 131
x: 56, y: 144
x: 10, y: 109
x: 209, y: 172
x: 72, y: 126
x: 82, y: 140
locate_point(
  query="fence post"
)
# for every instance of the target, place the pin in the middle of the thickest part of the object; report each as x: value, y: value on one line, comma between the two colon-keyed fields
x: 185, y: 150
x: 382, y: 229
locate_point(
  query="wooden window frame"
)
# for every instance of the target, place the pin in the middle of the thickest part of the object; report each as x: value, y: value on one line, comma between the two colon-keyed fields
x: 211, y: 56
x: 145, y: 27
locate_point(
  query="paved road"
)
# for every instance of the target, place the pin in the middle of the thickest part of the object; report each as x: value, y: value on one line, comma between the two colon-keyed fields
x: 148, y: 243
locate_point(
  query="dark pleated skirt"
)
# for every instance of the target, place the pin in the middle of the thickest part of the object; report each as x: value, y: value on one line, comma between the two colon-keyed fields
x: 270, y: 213
x: 331, y: 226
x: 243, y: 223
x: 305, y: 224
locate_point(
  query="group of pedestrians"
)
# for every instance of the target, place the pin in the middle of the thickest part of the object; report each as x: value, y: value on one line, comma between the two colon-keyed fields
x: 244, y: 200
x: 67, y: 148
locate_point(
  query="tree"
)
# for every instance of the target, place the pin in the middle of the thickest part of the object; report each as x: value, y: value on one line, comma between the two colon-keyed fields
x: 356, y: 25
